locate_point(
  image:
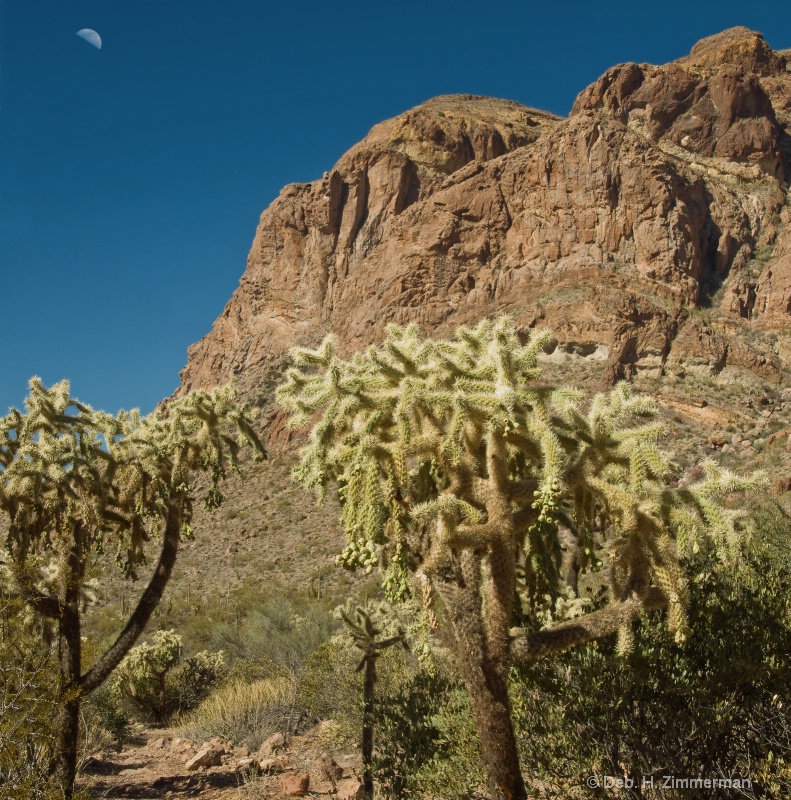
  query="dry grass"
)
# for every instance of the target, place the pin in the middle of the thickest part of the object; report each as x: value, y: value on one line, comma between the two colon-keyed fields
x: 244, y: 712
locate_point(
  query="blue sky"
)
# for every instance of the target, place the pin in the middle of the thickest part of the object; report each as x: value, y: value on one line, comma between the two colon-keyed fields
x: 132, y: 177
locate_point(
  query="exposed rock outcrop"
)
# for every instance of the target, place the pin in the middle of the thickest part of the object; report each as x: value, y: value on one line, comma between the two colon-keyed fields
x: 652, y: 222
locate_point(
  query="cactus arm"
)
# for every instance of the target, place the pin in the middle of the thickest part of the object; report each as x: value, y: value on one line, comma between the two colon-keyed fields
x: 44, y: 604
x: 149, y: 600
x: 529, y: 646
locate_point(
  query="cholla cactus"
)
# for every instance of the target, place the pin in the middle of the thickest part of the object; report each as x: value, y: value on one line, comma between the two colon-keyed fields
x: 368, y: 638
x: 456, y: 464
x: 147, y: 680
x: 140, y: 677
x: 74, y: 482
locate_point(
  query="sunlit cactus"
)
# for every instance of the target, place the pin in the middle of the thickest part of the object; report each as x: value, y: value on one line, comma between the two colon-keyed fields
x: 457, y: 466
x: 75, y: 482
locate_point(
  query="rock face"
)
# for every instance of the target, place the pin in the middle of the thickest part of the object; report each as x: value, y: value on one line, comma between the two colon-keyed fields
x: 650, y: 225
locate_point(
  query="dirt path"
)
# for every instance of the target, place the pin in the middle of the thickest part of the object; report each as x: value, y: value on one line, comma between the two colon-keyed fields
x: 154, y: 765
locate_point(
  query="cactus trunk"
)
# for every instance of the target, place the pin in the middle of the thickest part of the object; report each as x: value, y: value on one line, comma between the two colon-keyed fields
x: 488, y: 690
x: 484, y: 669
x: 64, y: 763
x: 368, y: 725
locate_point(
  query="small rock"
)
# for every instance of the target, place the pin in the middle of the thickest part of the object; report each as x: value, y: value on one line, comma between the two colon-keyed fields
x: 271, y: 745
x: 736, y: 438
x: 725, y: 448
x: 248, y: 765
x: 273, y: 765
x: 766, y: 414
x: 293, y: 784
x: 781, y: 485
x: 181, y: 745
x: 350, y: 790
x: 242, y: 752
x: 158, y: 744
x: 220, y: 745
x: 95, y: 763
x: 205, y: 757
x: 329, y: 768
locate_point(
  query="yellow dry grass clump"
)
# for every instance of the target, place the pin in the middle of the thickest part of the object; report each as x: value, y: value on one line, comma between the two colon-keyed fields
x: 244, y: 712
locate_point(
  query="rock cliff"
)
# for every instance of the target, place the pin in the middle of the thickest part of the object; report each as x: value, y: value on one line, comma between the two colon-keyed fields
x: 651, y: 225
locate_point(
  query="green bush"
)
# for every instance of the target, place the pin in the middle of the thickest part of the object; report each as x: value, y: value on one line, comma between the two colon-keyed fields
x: 716, y: 706
x: 329, y: 687
x: 426, y: 742
x: 257, y: 625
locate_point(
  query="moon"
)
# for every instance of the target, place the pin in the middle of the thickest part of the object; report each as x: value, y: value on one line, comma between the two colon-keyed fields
x: 91, y: 37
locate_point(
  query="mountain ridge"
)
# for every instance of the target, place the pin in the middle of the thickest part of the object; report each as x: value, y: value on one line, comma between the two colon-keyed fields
x: 649, y: 225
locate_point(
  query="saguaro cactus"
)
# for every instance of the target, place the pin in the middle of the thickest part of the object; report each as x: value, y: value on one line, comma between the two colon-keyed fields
x: 73, y: 482
x: 456, y: 464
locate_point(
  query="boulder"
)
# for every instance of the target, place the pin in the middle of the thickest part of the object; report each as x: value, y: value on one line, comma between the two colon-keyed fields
x: 275, y: 765
x: 205, y: 757
x: 277, y: 741
x: 294, y: 784
x: 248, y: 766
x: 350, y: 789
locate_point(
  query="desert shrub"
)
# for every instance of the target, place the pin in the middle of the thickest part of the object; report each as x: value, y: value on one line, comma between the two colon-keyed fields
x: 154, y: 683
x: 426, y: 742
x: 28, y: 696
x: 278, y: 632
x: 248, y: 670
x: 94, y: 734
x: 724, y: 693
x: 329, y: 687
x: 105, y: 708
x: 194, y: 679
x: 245, y: 712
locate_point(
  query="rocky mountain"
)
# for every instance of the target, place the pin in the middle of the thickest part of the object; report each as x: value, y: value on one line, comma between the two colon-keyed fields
x: 648, y: 228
